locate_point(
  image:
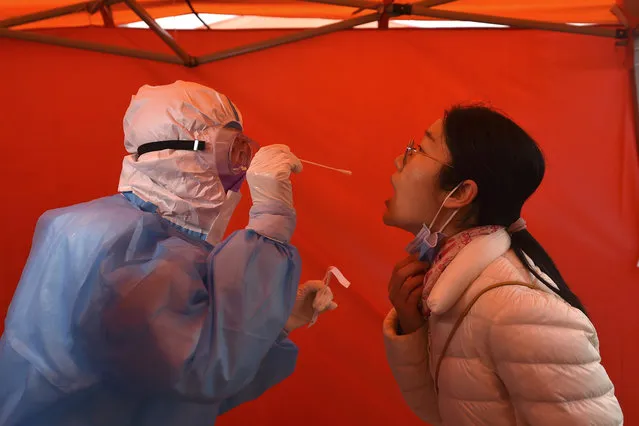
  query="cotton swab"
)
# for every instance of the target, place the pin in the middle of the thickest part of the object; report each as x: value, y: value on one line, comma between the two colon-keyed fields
x: 346, y: 172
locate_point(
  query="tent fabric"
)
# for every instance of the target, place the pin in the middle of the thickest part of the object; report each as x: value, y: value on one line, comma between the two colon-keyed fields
x: 573, y: 11
x: 61, y: 118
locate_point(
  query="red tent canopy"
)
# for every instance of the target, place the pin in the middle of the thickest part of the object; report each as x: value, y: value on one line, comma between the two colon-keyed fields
x: 581, y: 11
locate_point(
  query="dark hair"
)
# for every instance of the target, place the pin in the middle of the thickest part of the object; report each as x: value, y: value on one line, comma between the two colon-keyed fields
x: 508, y: 166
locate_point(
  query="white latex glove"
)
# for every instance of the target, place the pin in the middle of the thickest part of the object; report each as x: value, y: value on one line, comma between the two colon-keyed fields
x: 312, y: 297
x: 269, y: 175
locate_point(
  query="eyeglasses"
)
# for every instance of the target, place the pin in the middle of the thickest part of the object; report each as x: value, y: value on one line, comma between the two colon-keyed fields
x: 410, y: 150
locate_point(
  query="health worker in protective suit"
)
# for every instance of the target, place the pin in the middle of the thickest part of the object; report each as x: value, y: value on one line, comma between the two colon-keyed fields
x: 130, y: 311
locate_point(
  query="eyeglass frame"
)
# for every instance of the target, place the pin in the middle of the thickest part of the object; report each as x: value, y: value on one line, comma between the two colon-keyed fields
x: 410, y: 148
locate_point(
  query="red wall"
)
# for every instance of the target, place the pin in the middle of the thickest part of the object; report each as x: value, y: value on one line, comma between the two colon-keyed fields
x: 352, y: 100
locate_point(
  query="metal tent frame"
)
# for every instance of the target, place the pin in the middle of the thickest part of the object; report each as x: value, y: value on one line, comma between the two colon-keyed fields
x: 382, y: 12
x: 624, y: 33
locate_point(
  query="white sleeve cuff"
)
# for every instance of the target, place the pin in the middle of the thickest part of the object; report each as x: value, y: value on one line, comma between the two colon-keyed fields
x: 273, y: 221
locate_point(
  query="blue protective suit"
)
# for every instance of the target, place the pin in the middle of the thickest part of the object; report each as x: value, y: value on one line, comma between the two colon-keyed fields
x: 120, y: 318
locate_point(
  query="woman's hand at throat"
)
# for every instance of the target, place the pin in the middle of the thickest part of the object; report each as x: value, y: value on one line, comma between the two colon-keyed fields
x: 405, y: 292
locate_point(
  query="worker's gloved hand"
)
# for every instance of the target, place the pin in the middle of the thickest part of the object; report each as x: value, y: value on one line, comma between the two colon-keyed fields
x: 269, y: 174
x: 313, y: 298
x: 268, y: 177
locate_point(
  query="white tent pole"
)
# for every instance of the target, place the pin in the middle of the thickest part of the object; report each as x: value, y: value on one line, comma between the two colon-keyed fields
x: 85, y: 45
x: 314, y: 32
x: 188, y: 60
x: 56, y: 12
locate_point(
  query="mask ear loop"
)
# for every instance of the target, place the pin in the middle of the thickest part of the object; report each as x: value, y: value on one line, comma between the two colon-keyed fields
x: 440, y: 209
x: 450, y: 219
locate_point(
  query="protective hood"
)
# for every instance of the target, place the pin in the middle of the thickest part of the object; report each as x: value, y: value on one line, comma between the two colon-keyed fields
x: 184, y: 185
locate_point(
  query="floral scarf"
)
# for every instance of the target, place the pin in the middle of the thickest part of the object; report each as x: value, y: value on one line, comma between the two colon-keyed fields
x: 447, y: 253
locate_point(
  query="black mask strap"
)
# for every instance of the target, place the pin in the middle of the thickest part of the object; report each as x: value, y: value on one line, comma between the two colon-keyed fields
x: 195, y: 145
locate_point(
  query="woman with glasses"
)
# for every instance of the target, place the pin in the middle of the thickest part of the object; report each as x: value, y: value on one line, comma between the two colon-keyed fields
x: 484, y: 330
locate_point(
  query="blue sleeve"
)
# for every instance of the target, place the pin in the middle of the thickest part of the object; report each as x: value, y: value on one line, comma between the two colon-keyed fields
x: 278, y: 364
x: 166, y: 328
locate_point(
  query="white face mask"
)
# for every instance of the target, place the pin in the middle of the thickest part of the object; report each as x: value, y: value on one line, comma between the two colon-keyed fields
x: 428, y: 243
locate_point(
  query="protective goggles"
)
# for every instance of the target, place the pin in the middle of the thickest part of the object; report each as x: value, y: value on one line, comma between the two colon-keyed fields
x: 233, y: 150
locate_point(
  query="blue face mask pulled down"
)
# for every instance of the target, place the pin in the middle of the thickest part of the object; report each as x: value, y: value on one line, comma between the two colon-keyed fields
x: 427, y: 243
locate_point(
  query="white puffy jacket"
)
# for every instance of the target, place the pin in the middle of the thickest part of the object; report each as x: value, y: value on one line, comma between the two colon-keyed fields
x: 521, y: 356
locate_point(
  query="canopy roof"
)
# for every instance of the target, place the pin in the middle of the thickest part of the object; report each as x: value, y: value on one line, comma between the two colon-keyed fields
x: 565, y: 11
x: 608, y: 18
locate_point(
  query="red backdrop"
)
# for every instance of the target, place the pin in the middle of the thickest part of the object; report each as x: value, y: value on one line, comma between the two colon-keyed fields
x: 352, y: 100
